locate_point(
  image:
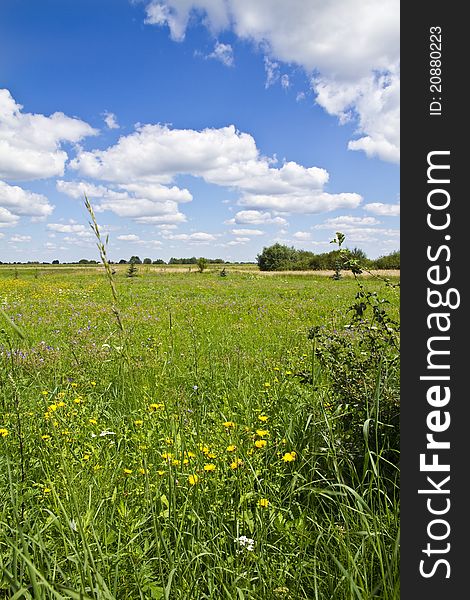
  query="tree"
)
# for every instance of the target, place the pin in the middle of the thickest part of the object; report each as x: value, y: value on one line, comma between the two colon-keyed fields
x: 132, y: 270
x: 159, y: 261
x: 201, y: 263
x: 147, y: 261
x: 55, y: 262
x: 135, y: 259
x: 123, y: 262
x: 277, y: 257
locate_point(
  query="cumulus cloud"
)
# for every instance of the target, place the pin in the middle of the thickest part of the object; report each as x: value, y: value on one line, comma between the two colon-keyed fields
x: 198, y: 236
x: 344, y: 44
x: 154, y: 155
x: 346, y: 222
x: 250, y: 232
x: 302, y: 235
x: 131, y: 237
x: 31, y: 144
x: 136, y: 201
x: 19, y: 202
x: 383, y: 210
x: 360, y: 229
x: 77, y: 229
x: 20, y: 238
x: 7, y: 218
x: 255, y: 217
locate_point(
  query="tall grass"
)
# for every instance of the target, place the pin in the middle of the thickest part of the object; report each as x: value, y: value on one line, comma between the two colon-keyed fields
x: 135, y: 474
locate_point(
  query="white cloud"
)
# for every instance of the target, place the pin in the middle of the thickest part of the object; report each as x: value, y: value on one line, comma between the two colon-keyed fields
x: 285, y: 81
x: 347, y: 221
x: 302, y: 235
x: 110, y: 120
x: 155, y: 154
x: 198, y: 236
x: 78, y: 230
x: 255, y: 217
x: 271, y: 68
x: 359, y: 229
x: 20, y: 238
x: 136, y: 201
x: 19, y: 202
x: 383, y: 210
x: 131, y: 237
x: 345, y: 43
x: 30, y: 144
x: 244, y: 232
x: 223, y: 53
x: 307, y: 203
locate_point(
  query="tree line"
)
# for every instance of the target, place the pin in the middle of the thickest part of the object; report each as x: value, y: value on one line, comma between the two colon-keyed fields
x: 279, y: 257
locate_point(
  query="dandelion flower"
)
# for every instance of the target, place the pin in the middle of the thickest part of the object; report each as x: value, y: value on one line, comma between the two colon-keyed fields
x: 86, y: 457
x: 138, y: 423
x: 3, y: 432
x: 231, y: 448
x: 260, y: 443
x: 263, y: 502
x: 193, y: 479
x: 43, y: 437
x: 161, y: 473
x: 236, y: 463
x: 92, y: 421
x: 289, y: 456
x: 267, y: 385
x: 154, y: 406
x: 143, y: 471
x: 263, y: 418
x: 127, y: 471
x: 262, y: 432
x: 228, y: 424
x: 209, y: 467
x: 47, y: 490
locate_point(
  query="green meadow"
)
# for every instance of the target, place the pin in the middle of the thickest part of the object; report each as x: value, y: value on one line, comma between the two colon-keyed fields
x: 203, y: 436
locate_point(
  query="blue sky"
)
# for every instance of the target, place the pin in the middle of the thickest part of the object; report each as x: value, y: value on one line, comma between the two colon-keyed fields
x: 213, y: 127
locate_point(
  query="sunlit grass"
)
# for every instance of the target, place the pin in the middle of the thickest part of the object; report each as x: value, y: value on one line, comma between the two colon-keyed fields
x: 183, y: 456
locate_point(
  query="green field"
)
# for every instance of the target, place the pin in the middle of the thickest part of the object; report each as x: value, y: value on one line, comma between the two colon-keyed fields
x: 208, y: 448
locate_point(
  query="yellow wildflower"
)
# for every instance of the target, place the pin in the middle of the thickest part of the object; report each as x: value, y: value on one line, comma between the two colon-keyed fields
x: 236, y: 463
x: 262, y: 432
x: 228, y: 424
x: 209, y: 467
x: 127, y: 471
x: 92, y: 421
x: 263, y: 418
x: 260, y: 443
x: 193, y: 479
x: 231, y: 448
x: 138, y: 423
x: 3, y: 432
x: 263, y: 502
x: 289, y: 456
